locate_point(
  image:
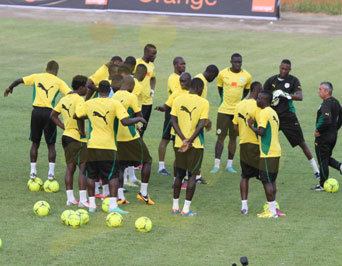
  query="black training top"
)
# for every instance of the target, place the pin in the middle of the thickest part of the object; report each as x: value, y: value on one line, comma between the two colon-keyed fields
x: 290, y: 85
x: 329, y: 116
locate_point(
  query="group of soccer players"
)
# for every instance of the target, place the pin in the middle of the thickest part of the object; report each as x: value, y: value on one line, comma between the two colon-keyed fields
x: 118, y: 105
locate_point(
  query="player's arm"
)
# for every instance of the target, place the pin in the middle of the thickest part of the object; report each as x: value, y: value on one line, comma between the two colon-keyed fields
x: 220, y: 91
x: 339, y: 121
x: 298, y: 95
x: 162, y: 108
x: 91, y: 89
x: 325, y: 120
x: 81, y: 127
x: 54, y: 117
x: 131, y: 121
x: 198, y: 130
x: 153, y: 82
x: 245, y: 93
x: 12, y: 86
x: 176, y: 127
x: 259, y: 131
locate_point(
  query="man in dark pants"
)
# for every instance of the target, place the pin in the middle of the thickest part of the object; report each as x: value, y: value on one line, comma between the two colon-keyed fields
x: 286, y: 89
x: 328, y: 122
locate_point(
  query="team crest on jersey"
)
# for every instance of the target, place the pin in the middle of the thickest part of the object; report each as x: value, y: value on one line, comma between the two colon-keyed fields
x: 218, y: 131
x: 242, y: 79
x: 287, y: 85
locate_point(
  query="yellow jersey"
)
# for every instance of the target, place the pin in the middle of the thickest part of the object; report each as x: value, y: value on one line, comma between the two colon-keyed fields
x: 205, y: 88
x: 130, y: 102
x: 189, y: 110
x: 46, y: 87
x: 100, y: 74
x: 101, y: 113
x: 245, y: 110
x: 146, y: 98
x: 67, y: 107
x: 233, y: 85
x: 173, y: 84
x: 269, y: 143
x: 137, y: 90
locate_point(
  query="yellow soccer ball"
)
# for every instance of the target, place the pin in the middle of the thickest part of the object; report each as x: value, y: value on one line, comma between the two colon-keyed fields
x: 74, y: 220
x: 331, y: 185
x: 0, y: 243
x: 35, y: 184
x: 51, y: 186
x: 83, y: 215
x: 105, y: 205
x: 143, y: 224
x: 114, y: 219
x: 65, y: 216
x: 266, y: 206
x: 41, y: 208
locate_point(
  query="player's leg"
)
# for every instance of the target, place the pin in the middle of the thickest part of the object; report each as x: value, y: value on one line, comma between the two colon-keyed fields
x: 249, y: 162
x: 166, y: 137
x: 294, y: 134
x: 332, y: 161
x: 110, y: 169
x: 82, y: 179
x: 177, y: 185
x: 268, y: 174
x: 145, y: 157
x: 92, y: 172
x: 221, y: 132
x: 323, y: 156
x: 50, y: 134
x: 37, y: 126
x: 146, y: 112
x: 121, y: 194
x: 193, y: 158
x: 231, y: 144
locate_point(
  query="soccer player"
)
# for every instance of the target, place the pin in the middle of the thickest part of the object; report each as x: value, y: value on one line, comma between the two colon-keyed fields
x: 101, y: 147
x: 189, y: 115
x: 73, y: 140
x: 149, y: 83
x: 102, y: 74
x: 233, y: 85
x: 173, y: 85
x: 130, y: 62
x: 288, y: 89
x: 249, y: 144
x: 270, y: 150
x: 46, y: 87
x: 139, y: 76
x: 328, y: 122
x: 209, y: 75
x: 131, y: 148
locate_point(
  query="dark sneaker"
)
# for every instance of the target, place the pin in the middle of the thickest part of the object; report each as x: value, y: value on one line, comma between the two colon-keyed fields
x: 317, y: 188
x: 201, y: 181
x: 317, y: 175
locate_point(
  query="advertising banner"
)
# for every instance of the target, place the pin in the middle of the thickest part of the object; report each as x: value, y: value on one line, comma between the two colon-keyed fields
x: 266, y: 9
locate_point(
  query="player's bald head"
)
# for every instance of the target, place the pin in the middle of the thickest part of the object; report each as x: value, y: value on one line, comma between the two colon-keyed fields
x: 52, y: 67
x: 128, y: 83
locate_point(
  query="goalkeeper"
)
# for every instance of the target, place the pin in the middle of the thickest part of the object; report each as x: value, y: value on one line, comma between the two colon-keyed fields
x: 189, y: 115
x: 286, y: 89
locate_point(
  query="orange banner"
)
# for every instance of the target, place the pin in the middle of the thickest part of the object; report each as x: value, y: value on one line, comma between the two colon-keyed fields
x: 263, y: 6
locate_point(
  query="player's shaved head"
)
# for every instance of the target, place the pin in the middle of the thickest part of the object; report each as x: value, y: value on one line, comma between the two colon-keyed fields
x: 116, y: 82
x: 78, y: 81
x: 256, y: 85
x: 236, y: 55
x: 140, y: 72
x: 284, y: 68
x: 185, y: 81
x: 211, y: 73
x: 128, y: 83
x: 104, y: 87
x: 264, y: 99
x: 177, y: 59
x: 150, y: 53
x: 197, y: 86
x: 130, y: 60
x: 124, y: 70
x: 52, y: 67
x: 286, y: 61
x: 149, y: 46
x: 117, y: 60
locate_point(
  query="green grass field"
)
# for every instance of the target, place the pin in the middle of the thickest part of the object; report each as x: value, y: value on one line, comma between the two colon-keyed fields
x: 309, y: 235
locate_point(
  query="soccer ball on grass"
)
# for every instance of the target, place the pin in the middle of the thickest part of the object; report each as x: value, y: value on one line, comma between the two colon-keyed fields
x: 83, y: 215
x: 331, y: 185
x: 41, y: 208
x: 114, y: 219
x: 143, y: 224
x: 51, y: 186
x: 35, y: 184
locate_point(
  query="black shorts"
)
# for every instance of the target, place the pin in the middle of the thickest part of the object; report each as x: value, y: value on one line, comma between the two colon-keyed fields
x: 269, y: 168
x: 167, y: 126
x: 225, y: 126
x: 292, y: 130
x: 190, y: 161
x: 249, y: 160
x: 146, y: 113
x: 75, y: 151
x: 133, y: 153
x: 41, y: 122
x: 102, y: 164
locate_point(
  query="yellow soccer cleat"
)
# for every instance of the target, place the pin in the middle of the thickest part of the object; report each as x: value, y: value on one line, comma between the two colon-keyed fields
x: 121, y: 202
x: 145, y: 199
x: 267, y: 214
